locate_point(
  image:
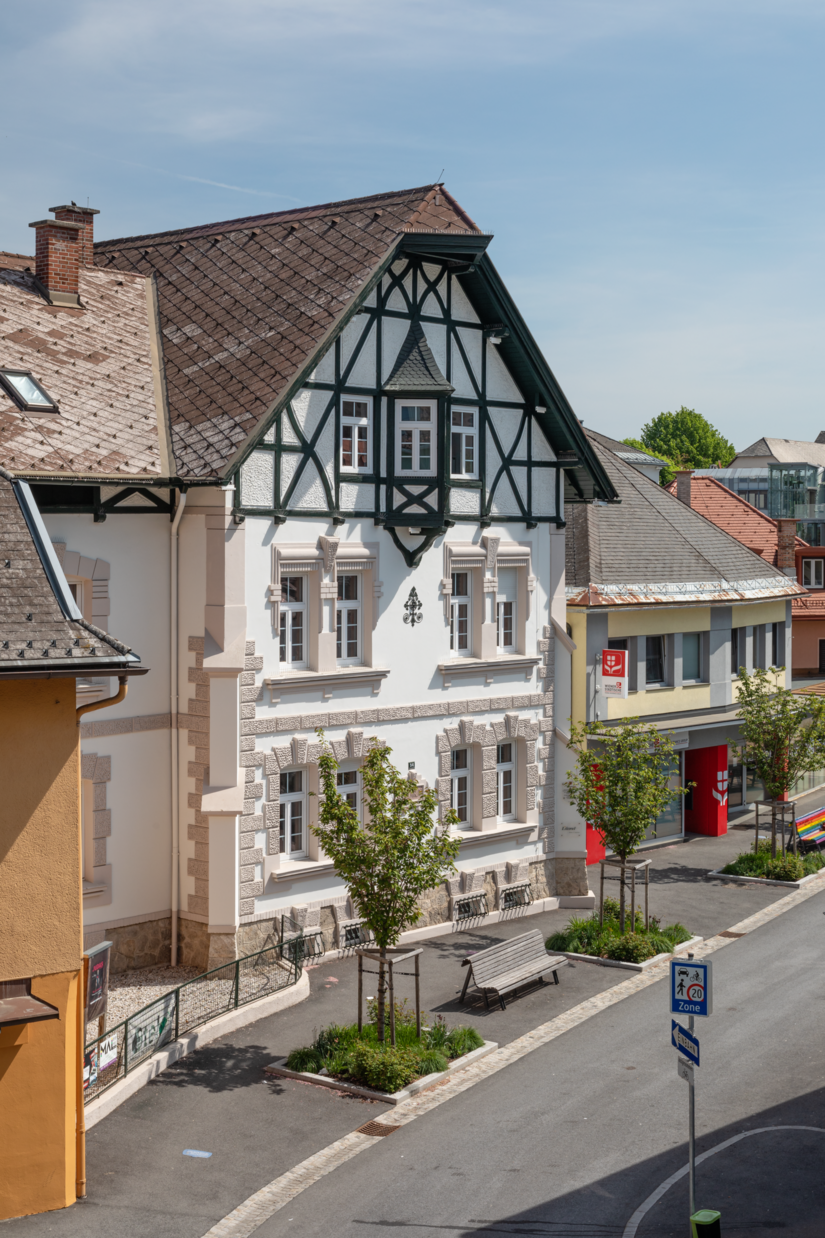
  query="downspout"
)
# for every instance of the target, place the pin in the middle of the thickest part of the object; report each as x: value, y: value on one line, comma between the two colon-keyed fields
x: 174, y: 744
x: 80, y: 1124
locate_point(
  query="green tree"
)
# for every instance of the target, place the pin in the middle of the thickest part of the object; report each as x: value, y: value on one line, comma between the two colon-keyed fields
x: 621, y: 783
x: 783, y: 735
x: 390, y: 859
x: 666, y: 474
x: 687, y: 440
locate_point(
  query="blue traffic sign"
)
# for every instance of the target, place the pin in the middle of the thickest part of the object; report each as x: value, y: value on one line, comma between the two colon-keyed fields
x: 684, y: 1042
x: 690, y: 987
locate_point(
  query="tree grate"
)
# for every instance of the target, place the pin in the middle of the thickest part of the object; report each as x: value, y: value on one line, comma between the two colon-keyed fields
x: 377, y: 1128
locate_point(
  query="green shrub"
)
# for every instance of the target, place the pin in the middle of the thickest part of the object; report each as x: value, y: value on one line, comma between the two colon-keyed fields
x: 463, y: 1040
x: 432, y: 1062
x: 631, y: 948
x: 789, y: 868
x: 404, y: 1014
x: 304, y: 1059
x: 385, y: 1069
x: 676, y: 933
x: 436, y: 1036
x: 813, y: 863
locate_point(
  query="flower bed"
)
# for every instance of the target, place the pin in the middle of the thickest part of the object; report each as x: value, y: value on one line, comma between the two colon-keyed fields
x: 341, y: 1052
x: 782, y: 868
x: 606, y: 941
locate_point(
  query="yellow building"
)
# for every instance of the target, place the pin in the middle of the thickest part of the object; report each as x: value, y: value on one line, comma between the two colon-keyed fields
x: 45, y: 646
x: 688, y: 605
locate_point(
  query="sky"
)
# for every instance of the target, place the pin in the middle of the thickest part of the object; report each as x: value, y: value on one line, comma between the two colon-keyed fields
x: 652, y: 169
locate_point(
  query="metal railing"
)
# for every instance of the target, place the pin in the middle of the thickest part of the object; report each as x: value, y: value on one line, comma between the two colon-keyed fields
x: 111, y: 1056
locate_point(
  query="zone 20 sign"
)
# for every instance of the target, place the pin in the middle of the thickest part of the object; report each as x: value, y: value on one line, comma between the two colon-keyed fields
x: 614, y: 672
x: 690, y: 987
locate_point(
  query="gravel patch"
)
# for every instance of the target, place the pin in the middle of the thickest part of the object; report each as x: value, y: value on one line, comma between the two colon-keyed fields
x: 132, y: 990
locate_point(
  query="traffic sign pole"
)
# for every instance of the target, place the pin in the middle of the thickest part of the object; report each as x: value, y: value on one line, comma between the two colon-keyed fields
x: 691, y: 1132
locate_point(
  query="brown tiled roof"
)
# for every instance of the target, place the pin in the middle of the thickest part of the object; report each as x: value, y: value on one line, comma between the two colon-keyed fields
x: 95, y: 363
x: 37, y: 631
x: 735, y: 515
x: 245, y: 303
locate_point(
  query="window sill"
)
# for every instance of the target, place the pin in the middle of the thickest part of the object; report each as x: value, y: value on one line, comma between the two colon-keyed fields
x: 327, y: 681
x: 276, y: 869
x: 659, y: 687
x: 509, y: 829
x: 489, y: 667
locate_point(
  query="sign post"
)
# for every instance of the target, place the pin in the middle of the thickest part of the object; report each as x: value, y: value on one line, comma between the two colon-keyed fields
x: 614, y: 672
x: 691, y: 994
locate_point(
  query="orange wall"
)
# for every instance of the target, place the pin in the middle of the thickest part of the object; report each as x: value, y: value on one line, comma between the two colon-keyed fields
x: 40, y: 939
x: 38, y: 1078
x: 40, y: 912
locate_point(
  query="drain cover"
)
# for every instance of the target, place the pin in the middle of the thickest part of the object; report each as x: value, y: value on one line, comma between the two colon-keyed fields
x: 728, y: 933
x: 377, y: 1128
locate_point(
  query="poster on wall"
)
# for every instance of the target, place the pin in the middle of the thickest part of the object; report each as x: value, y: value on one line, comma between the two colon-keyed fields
x: 89, y: 1068
x: 107, y: 1051
x: 614, y: 672
x: 97, y: 981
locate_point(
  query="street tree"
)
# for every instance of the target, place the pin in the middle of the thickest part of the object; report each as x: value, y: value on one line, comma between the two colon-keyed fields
x: 621, y: 783
x: 687, y: 440
x: 393, y: 856
x: 782, y: 735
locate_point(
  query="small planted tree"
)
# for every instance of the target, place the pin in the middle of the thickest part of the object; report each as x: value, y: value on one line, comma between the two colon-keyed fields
x: 393, y: 856
x: 783, y: 736
x: 621, y: 784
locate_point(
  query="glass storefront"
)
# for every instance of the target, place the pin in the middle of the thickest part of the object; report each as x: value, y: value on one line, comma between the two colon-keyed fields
x: 670, y: 823
x: 744, y: 787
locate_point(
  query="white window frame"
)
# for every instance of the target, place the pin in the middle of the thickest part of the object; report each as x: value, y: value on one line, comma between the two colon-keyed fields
x: 458, y: 775
x: 467, y: 432
x: 348, y: 784
x: 287, y: 812
x: 457, y: 601
x: 286, y: 618
x: 415, y: 428
x: 355, y: 424
x: 505, y: 617
x: 503, y: 769
x: 814, y: 568
x: 349, y: 606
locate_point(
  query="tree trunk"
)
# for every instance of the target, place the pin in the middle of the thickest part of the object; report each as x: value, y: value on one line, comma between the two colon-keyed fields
x: 621, y: 897
x: 773, y: 829
x: 381, y: 994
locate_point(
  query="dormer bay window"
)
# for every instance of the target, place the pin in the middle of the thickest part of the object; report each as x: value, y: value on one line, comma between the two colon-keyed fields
x: 26, y: 391
x: 355, y: 435
x: 416, y: 438
x: 463, y: 453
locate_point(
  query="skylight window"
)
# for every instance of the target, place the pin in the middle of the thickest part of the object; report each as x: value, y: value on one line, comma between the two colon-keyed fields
x: 26, y: 392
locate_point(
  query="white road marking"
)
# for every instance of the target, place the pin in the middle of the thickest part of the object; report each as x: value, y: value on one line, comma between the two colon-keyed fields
x: 652, y: 1199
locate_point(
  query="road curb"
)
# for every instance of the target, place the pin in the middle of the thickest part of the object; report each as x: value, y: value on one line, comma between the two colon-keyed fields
x: 718, y: 875
x: 114, y: 1096
x: 648, y: 963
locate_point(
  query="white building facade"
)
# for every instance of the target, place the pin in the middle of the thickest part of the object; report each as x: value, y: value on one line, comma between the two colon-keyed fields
x: 377, y: 553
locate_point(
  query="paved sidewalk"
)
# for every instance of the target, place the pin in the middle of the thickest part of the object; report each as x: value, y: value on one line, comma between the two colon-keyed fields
x: 218, y: 1100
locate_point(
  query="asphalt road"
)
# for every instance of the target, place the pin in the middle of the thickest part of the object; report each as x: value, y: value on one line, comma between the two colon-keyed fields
x: 572, y: 1138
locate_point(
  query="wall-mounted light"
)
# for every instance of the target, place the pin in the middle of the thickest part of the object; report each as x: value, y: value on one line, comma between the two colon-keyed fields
x: 496, y: 332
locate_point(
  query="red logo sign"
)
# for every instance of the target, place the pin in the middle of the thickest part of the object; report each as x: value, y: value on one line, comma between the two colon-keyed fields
x: 614, y: 663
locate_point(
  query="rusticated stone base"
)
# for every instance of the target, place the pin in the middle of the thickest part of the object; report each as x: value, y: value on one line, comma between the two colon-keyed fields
x: 434, y: 906
x: 542, y: 880
x: 259, y: 936
x: 193, y: 944
x: 222, y: 949
x: 570, y: 875
x: 140, y: 945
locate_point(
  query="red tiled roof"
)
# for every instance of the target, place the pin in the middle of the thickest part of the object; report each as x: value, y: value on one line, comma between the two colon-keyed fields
x: 735, y: 515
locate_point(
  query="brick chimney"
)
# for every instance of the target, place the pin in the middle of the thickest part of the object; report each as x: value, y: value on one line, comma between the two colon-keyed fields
x: 683, y: 477
x: 62, y: 246
x: 84, y: 215
x: 786, y: 547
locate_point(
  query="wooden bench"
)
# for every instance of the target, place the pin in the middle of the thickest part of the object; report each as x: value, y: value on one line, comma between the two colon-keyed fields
x: 501, y: 969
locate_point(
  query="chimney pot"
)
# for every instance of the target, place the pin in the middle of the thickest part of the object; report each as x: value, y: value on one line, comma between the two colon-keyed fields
x: 786, y: 546
x: 683, y: 477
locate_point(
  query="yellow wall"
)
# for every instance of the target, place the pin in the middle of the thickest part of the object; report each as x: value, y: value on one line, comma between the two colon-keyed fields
x: 40, y: 912
x: 660, y: 701
x: 578, y: 626
x: 37, y: 1101
x: 758, y: 612
x: 40, y: 939
x: 659, y: 620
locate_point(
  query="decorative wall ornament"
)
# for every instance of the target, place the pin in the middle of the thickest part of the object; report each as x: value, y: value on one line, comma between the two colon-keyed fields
x: 413, y: 609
